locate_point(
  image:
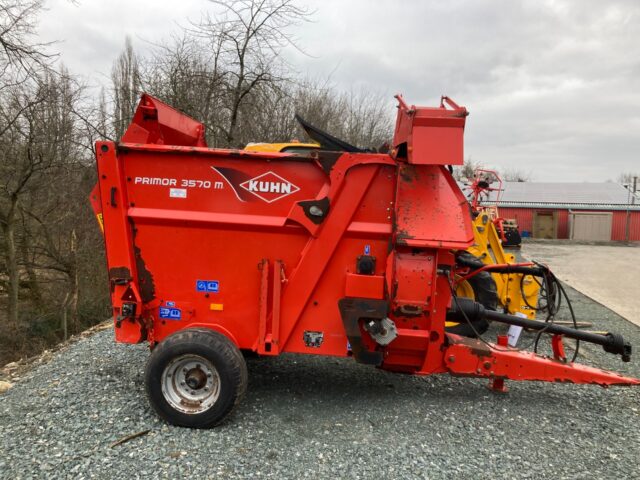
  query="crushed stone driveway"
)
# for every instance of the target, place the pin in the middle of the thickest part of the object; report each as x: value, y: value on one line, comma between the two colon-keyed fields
x: 322, y: 418
x: 608, y: 274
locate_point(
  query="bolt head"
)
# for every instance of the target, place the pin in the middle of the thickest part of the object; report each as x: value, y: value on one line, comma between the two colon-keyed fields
x: 316, y: 211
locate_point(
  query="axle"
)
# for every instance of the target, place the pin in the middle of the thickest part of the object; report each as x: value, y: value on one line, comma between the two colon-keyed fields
x: 466, y: 310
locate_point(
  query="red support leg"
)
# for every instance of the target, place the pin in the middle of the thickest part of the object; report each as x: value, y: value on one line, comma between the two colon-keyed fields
x: 497, y: 384
x: 558, y: 348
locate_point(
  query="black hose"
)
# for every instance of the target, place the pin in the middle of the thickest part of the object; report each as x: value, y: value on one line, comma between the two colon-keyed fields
x: 465, y: 308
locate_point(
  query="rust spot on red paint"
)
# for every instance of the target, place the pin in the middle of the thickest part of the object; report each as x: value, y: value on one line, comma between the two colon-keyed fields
x: 408, y: 173
x: 119, y: 273
x: 402, y: 236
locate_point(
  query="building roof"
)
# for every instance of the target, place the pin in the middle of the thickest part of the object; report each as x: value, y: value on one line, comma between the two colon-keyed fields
x: 578, y: 196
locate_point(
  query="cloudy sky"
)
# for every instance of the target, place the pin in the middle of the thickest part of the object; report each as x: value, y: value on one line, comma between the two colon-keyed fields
x: 553, y: 87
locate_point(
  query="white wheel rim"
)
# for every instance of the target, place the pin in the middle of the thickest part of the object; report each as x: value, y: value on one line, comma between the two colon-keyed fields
x: 190, y: 384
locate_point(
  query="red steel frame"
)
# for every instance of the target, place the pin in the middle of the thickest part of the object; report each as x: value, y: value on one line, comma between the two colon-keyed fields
x: 275, y: 238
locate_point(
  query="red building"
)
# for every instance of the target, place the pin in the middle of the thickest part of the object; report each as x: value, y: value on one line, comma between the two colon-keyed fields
x: 579, y: 211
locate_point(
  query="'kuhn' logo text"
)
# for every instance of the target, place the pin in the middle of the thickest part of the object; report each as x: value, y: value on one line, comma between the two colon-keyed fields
x: 269, y: 187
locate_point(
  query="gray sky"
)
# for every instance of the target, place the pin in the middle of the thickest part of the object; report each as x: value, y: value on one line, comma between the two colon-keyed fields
x: 553, y: 87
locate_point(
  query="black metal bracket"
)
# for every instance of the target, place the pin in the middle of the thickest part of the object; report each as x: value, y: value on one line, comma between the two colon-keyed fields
x: 353, y: 309
x: 316, y: 210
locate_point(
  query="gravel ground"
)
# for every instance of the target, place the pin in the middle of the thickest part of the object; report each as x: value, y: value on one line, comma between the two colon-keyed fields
x: 313, y: 417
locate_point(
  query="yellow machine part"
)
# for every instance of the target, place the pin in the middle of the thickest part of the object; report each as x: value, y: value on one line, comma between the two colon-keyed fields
x: 516, y: 292
x: 464, y: 290
x: 282, y: 147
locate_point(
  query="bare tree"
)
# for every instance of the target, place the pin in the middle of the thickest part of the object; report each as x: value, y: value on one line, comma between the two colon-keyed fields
x: 20, y: 54
x: 224, y: 70
x: 360, y: 118
x: 249, y: 35
x: 195, y: 80
x: 187, y: 73
x: 19, y: 165
x: 21, y: 57
x: 50, y: 255
x: 125, y: 76
x: 466, y: 172
x: 515, y: 175
x: 627, y: 177
x: 34, y: 156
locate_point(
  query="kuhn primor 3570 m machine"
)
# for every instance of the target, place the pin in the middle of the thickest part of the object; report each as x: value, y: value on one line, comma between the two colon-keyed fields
x: 212, y: 251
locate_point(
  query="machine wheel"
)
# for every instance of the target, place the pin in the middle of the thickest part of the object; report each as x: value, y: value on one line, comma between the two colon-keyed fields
x: 195, y: 378
x: 481, y: 288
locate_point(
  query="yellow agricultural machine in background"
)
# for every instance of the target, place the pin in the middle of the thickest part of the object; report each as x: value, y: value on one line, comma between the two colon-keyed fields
x: 488, y: 274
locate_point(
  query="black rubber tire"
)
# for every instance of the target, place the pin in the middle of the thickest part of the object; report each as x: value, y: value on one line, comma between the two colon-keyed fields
x: 513, y: 238
x: 224, y: 356
x: 486, y: 293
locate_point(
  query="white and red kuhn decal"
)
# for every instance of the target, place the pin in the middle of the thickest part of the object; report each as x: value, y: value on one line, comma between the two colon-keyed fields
x: 269, y: 187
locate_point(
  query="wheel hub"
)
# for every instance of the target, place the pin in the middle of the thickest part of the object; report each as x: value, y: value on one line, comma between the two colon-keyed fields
x: 190, y: 384
x: 196, y: 378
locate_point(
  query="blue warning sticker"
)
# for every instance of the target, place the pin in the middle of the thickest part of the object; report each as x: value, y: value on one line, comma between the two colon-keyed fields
x: 207, y: 286
x: 367, y: 249
x: 170, y: 313
x: 170, y: 304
